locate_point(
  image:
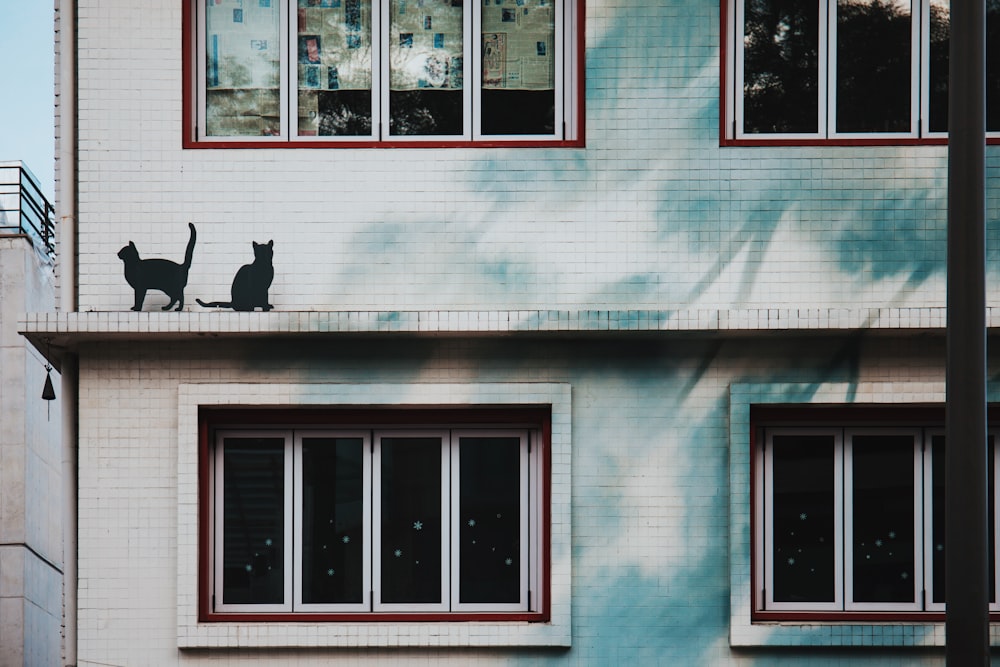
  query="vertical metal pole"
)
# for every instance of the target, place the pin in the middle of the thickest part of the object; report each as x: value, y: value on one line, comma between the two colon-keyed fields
x: 966, y: 580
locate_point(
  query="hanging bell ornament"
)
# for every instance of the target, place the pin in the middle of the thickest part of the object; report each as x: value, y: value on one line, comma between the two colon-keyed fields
x: 48, y: 391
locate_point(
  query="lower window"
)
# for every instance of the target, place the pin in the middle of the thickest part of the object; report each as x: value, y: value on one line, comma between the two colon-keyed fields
x: 377, y: 519
x: 850, y: 518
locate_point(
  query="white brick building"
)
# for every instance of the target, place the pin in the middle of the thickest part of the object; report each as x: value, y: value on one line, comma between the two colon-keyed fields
x: 583, y: 350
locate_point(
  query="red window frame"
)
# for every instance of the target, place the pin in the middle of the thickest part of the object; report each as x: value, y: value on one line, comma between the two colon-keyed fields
x: 189, y: 46
x: 211, y: 419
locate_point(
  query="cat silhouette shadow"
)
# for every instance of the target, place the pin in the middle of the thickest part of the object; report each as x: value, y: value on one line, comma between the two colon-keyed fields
x: 159, y: 274
x: 252, y: 281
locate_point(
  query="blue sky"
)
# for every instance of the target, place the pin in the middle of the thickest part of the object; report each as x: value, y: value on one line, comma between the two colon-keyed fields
x: 26, y: 114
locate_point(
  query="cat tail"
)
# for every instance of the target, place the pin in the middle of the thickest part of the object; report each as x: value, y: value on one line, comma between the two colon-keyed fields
x: 189, y: 253
x: 214, y: 304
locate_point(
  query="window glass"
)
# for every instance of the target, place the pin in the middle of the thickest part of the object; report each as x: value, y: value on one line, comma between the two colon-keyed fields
x: 519, y: 67
x: 803, y: 515
x: 243, y: 68
x: 411, y: 555
x: 781, y: 67
x: 334, y: 65
x: 333, y: 534
x: 939, y: 44
x: 253, y: 534
x: 426, y: 64
x: 883, y: 518
x: 490, y: 519
x: 874, y: 68
x: 359, y: 521
x: 939, y: 531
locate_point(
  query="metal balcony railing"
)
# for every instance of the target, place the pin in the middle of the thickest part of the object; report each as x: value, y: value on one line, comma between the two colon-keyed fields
x: 24, y: 209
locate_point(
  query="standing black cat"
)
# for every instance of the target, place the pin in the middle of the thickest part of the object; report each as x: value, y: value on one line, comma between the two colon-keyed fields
x: 159, y: 274
x: 251, y: 282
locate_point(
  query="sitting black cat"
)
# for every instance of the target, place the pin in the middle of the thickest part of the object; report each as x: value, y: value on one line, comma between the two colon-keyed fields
x: 159, y: 274
x: 251, y: 282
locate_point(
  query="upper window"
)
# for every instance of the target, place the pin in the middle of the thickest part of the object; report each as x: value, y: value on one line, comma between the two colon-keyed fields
x: 376, y: 519
x: 844, y: 69
x: 851, y: 519
x: 374, y: 71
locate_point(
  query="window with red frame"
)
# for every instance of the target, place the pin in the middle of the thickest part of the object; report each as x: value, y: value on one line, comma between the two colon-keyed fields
x: 385, y: 71
x: 844, y: 69
x: 376, y: 519
x: 850, y: 518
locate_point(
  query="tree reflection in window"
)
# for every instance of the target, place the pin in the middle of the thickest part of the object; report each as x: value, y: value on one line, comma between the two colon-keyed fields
x: 781, y: 71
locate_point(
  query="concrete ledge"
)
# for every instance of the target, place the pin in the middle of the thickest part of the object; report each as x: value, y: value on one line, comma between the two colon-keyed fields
x: 59, y: 330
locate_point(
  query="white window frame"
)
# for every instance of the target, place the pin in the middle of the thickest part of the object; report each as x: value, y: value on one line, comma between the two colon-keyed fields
x: 832, y: 56
x: 201, y: 103
x: 531, y: 530
x: 366, y: 468
x: 917, y: 580
x: 568, y: 81
x: 923, y: 580
x: 443, y: 599
x: 528, y: 564
x: 929, y: 550
x: 767, y: 514
x: 219, y: 523
x: 735, y: 30
x: 827, y: 79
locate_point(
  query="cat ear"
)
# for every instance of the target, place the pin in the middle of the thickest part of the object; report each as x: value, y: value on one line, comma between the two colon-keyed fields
x: 270, y: 244
x: 255, y: 245
x: 131, y: 244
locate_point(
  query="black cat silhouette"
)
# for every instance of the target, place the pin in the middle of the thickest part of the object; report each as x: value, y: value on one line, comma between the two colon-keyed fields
x: 251, y: 282
x: 159, y: 274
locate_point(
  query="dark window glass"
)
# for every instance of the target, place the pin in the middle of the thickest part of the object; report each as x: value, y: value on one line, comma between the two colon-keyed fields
x: 411, y: 520
x: 873, y: 66
x: 254, y: 512
x: 780, y: 67
x: 519, y: 111
x: 490, y: 519
x: 939, y: 44
x: 803, y: 512
x: 345, y: 113
x: 416, y: 112
x: 332, y: 520
x: 938, y: 520
x: 883, y: 548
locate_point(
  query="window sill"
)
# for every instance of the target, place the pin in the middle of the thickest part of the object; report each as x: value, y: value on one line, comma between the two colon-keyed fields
x: 350, y: 143
x: 798, y: 617
x: 366, y: 635
x: 881, y: 141
x: 377, y: 617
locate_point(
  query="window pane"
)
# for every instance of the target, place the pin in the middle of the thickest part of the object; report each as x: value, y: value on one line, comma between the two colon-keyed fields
x: 335, y: 67
x: 939, y: 17
x: 425, y: 67
x: 411, y: 520
x: 938, y: 501
x: 883, y: 509
x: 332, y: 520
x: 519, y: 67
x: 242, y: 72
x: 253, y: 522
x: 490, y: 519
x: 803, y: 514
x: 873, y: 65
x: 781, y: 70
